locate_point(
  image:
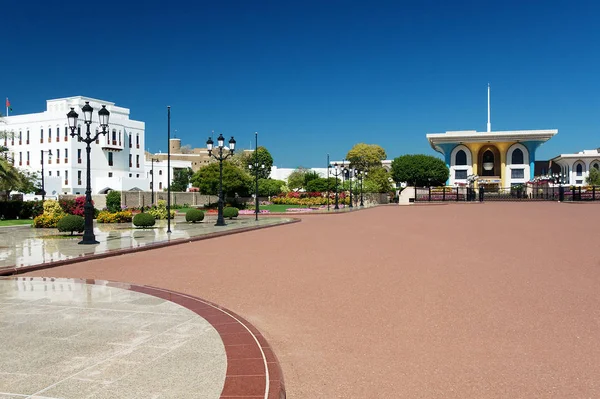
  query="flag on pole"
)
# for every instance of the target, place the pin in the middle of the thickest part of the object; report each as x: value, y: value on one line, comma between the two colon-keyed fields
x: 8, y: 107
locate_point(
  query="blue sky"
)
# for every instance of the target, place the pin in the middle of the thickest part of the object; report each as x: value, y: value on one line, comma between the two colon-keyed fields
x: 315, y: 77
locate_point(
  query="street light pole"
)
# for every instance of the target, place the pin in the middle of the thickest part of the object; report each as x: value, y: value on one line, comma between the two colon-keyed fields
x: 328, y: 167
x: 169, y: 170
x: 43, y: 178
x: 337, y: 172
x: 88, y: 208
x: 256, y: 175
x: 221, y: 156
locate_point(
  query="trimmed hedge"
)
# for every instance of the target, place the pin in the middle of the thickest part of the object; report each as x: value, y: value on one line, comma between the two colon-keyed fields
x: 144, y: 220
x: 71, y: 223
x: 230, y: 212
x: 194, y: 215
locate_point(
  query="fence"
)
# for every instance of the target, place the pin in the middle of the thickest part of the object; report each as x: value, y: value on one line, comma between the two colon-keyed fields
x: 521, y: 193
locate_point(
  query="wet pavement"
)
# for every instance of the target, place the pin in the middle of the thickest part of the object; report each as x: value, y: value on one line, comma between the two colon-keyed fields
x: 26, y: 246
x: 67, y: 339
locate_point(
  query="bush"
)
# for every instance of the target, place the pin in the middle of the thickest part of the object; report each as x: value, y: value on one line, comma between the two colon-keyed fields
x: 194, y: 215
x: 144, y: 220
x: 160, y: 211
x: 71, y: 223
x: 113, y: 201
x: 10, y: 209
x: 230, y: 212
x: 52, y: 214
x: 114, y: 217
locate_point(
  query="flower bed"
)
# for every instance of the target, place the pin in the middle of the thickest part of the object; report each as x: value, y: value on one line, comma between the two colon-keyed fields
x: 252, y: 212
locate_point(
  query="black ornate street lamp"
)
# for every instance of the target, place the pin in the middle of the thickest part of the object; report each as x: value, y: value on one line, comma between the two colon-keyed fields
x: 220, y: 156
x: 88, y: 208
x: 336, y: 172
x: 43, y: 178
x: 255, y: 168
x: 349, y: 172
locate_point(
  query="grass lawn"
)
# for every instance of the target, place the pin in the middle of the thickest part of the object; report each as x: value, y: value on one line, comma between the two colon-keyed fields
x: 280, y: 207
x: 15, y: 222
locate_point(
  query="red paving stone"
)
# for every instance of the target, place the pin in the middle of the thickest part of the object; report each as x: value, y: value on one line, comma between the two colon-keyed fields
x: 493, y: 300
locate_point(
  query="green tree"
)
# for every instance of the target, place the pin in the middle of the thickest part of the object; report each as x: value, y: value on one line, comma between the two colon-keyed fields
x: 235, y: 180
x: 10, y: 177
x: 268, y: 187
x: 378, y: 180
x: 296, y: 179
x: 366, y: 156
x: 321, y: 184
x: 262, y: 156
x: 593, y: 178
x: 181, y: 179
x: 420, y: 170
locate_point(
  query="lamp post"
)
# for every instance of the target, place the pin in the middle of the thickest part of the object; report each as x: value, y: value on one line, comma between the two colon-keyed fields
x: 336, y: 172
x: 169, y: 170
x: 359, y: 174
x: 328, y: 171
x: 152, y: 160
x: 88, y: 208
x: 349, y: 172
x: 43, y: 178
x: 255, y: 169
x: 220, y: 156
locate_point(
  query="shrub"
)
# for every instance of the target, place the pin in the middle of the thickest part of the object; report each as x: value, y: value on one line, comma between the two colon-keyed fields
x: 67, y: 205
x: 10, y: 209
x: 113, y: 201
x: 144, y: 220
x: 114, y: 217
x: 71, y: 223
x: 160, y: 210
x: 194, y: 215
x: 230, y: 212
x: 52, y: 214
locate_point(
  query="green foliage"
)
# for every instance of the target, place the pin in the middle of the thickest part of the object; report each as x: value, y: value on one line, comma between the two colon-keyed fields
x: 194, y: 215
x: 113, y: 201
x: 267, y: 187
x: 235, y: 180
x: 378, y: 181
x: 230, y: 212
x: 262, y: 156
x: 71, y: 223
x: 593, y: 178
x: 10, y: 209
x: 144, y: 220
x: 418, y: 169
x: 309, y: 176
x: 52, y: 214
x: 366, y: 156
x: 181, y: 179
x: 321, y: 185
x: 160, y: 210
x: 297, y: 179
x: 114, y: 217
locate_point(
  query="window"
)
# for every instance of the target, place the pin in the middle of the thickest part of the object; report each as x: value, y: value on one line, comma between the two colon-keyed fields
x: 41, y: 135
x: 109, y: 174
x: 49, y: 135
x: 110, y: 159
x: 66, y: 133
x: 130, y: 160
x: 57, y: 156
x: 20, y: 137
x: 66, y: 155
x: 460, y: 158
x: 578, y: 181
x: 27, y: 141
x: 79, y: 177
x: 596, y: 166
x: 160, y: 185
x: 579, y: 169
x: 137, y: 161
x: 517, y: 157
x: 49, y: 173
x: 130, y: 175
x: 58, y: 173
x: 79, y: 155
x: 79, y: 134
x: 66, y: 177
x: 160, y: 172
x: 129, y: 140
x: 119, y: 137
x: 517, y: 173
x: 137, y: 141
x: 27, y: 157
x: 57, y: 134
x: 137, y: 175
x: 460, y: 174
x: 114, y: 137
x: 20, y: 158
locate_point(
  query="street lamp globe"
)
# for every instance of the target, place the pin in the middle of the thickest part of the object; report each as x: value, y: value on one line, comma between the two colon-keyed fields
x: 209, y: 144
x: 72, y: 117
x: 103, y: 115
x: 231, y: 144
x: 87, y: 112
x: 220, y: 141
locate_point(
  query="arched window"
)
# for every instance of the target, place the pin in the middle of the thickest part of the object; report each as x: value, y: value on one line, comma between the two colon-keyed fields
x: 596, y: 166
x: 517, y: 157
x: 579, y: 170
x: 460, y: 158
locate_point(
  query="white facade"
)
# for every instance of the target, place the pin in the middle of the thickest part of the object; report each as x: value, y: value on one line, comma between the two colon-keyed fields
x: 117, y: 159
x: 159, y: 169
x: 576, y: 167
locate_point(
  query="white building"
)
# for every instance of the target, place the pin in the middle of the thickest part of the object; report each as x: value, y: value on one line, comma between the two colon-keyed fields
x: 159, y: 169
x: 576, y: 167
x: 117, y: 159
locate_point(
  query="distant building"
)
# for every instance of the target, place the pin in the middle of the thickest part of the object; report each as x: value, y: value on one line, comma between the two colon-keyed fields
x: 117, y: 159
x: 576, y: 167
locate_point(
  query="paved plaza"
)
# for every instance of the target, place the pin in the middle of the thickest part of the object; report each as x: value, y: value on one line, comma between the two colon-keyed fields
x: 492, y: 300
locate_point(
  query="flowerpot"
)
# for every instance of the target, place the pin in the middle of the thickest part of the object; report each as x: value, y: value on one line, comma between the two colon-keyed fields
x: 488, y: 165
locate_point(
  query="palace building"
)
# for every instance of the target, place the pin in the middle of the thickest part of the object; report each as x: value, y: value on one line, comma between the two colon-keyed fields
x: 494, y: 159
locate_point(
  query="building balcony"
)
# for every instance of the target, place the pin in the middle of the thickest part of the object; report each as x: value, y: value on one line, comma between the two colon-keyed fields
x: 112, y: 146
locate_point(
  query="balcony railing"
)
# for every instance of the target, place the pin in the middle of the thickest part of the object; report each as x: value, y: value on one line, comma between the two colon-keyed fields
x: 112, y: 145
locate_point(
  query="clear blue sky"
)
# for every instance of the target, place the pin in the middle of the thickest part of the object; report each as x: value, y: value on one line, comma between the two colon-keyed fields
x: 315, y: 77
